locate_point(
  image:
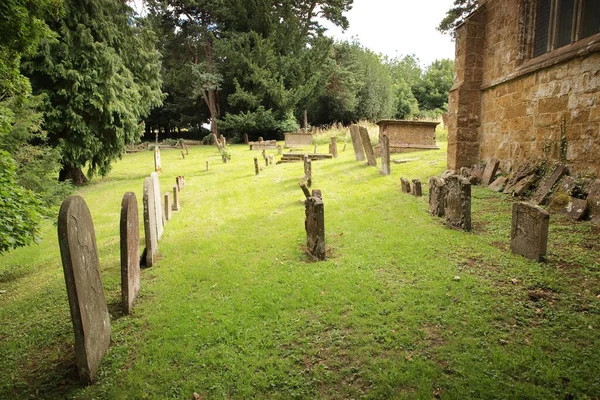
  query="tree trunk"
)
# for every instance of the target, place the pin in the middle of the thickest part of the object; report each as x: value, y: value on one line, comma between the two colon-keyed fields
x: 305, y: 120
x: 74, y: 174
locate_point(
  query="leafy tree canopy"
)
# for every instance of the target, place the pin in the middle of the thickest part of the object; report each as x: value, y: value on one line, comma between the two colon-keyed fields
x: 456, y: 15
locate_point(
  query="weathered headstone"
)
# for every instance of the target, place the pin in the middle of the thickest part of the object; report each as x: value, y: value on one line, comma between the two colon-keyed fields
x: 498, y: 184
x: 490, y: 172
x: 437, y: 194
x: 529, y: 231
x: 256, y: 169
x: 158, y: 210
x: 175, y: 206
x: 130, y: 251
x: 417, y: 191
x: 333, y: 147
x: 308, y: 171
x: 366, y: 142
x: 385, y: 155
x: 279, y: 150
x: 457, y: 205
x: 157, y: 163
x: 89, y: 313
x: 357, y: 143
x: 150, y: 223
x: 543, y: 192
x: 593, y: 200
x: 168, y: 206
x: 246, y: 138
x: 576, y: 209
x: 523, y: 185
x: 315, y: 227
x: 182, y: 154
x: 405, y: 184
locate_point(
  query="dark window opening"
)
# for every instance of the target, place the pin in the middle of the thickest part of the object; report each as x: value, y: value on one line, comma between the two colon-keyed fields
x: 590, y: 18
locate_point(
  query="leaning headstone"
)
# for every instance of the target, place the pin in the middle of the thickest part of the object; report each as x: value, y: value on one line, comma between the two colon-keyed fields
x: 593, y: 200
x: 542, y: 194
x: 417, y: 191
x: 175, y: 206
x: 89, y: 313
x: 490, y: 172
x: 157, y: 163
x: 168, y: 206
x: 405, y: 184
x: 256, y: 169
x: 457, y: 206
x: 523, y: 185
x: 576, y: 209
x: 150, y: 223
x: 333, y: 147
x: 498, y: 184
x: 357, y: 143
x: 366, y: 142
x: 385, y: 155
x: 437, y: 194
x: 130, y: 251
x: 315, y: 227
x: 308, y: 171
x: 160, y: 217
x: 529, y: 231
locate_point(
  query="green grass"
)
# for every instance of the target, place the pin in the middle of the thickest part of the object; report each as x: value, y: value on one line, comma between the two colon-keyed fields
x: 235, y: 309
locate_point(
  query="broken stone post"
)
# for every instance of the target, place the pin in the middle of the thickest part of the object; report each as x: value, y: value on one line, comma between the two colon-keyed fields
x: 256, y: 169
x: 489, y: 172
x: 89, y: 313
x: 385, y: 155
x: 457, y: 205
x: 416, y: 188
x: 168, y: 206
x: 150, y: 222
x: 529, y: 231
x: 308, y: 171
x: 366, y: 142
x: 130, y: 251
x: 157, y: 164
x: 315, y: 227
x: 182, y: 154
x: 405, y: 184
x: 333, y: 147
x: 357, y: 143
x: 304, y: 188
x: 437, y: 193
x: 246, y: 138
x: 175, y: 206
x: 160, y: 217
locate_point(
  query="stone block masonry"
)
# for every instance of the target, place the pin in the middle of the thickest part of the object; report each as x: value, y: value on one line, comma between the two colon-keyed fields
x: 89, y: 312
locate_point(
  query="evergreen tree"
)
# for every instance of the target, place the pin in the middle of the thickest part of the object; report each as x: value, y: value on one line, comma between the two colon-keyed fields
x: 432, y: 91
x: 456, y: 15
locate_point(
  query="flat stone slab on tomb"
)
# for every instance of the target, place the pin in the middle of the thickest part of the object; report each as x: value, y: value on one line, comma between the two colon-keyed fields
x: 529, y: 231
x: 130, y: 251
x: 89, y: 312
x: 406, y: 136
x: 263, y: 145
x: 298, y: 139
x: 543, y: 192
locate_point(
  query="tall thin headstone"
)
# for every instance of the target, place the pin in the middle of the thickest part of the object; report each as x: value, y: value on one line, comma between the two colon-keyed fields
x: 333, y: 146
x: 187, y: 150
x: 315, y: 227
x: 246, y: 138
x: 385, y: 155
x: 437, y: 193
x: 529, y: 231
x: 158, y: 209
x: 357, y: 143
x: 150, y: 222
x: 89, y: 312
x: 130, y: 251
x: 157, y: 163
x: 168, y: 206
x: 366, y: 142
x: 279, y: 150
x: 308, y: 171
x: 315, y: 149
x: 175, y: 206
x: 417, y: 190
x: 457, y: 205
x: 256, y: 169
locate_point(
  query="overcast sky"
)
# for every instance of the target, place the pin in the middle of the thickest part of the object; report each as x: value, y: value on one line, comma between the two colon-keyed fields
x: 399, y: 27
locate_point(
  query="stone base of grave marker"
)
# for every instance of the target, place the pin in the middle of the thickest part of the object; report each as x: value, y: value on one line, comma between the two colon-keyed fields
x: 315, y: 227
x: 529, y: 231
x: 437, y: 195
x: 457, y: 206
x: 130, y: 251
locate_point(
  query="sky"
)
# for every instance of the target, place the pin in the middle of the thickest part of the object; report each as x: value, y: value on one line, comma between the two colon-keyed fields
x: 399, y: 27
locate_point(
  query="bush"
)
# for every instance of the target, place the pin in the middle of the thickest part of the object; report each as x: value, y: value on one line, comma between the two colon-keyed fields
x: 208, y: 139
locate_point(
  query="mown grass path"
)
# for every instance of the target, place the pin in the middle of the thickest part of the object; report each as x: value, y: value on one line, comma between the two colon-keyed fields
x: 235, y: 309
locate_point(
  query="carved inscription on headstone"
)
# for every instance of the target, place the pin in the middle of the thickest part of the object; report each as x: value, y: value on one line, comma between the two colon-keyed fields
x: 89, y: 313
x: 150, y: 222
x: 130, y: 251
x: 529, y: 231
x: 457, y: 206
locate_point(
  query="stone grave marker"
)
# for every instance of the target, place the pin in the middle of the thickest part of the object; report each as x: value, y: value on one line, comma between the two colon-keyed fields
x: 593, y: 200
x: 333, y: 147
x: 256, y: 169
x: 308, y: 171
x: 271, y: 159
x: 576, y: 209
x: 405, y: 184
x: 542, y: 194
x: 266, y: 161
x: 157, y: 163
x: 357, y: 143
x: 523, y: 185
x: 385, y: 155
x: 490, y: 172
x: 279, y: 150
x: 437, y: 194
x: 160, y: 217
x: 175, y: 206
x: 168, y: 206
x: 207, y: 165
x: 89, y: 313
x: 529, y: 231
x: 187, y: 149
x: 315, y: 227
x: 498, y: 184
x: 366, y: 142
x: 304, y: 188
x: 417, y: 191
x: 150, y: 223
x: 182, y: 154
x: 457, y: 206
x: 130, y: 251
x: 178, y: 183
x: 246, y: 138
x: 315, y: 149
x: 317, y: 193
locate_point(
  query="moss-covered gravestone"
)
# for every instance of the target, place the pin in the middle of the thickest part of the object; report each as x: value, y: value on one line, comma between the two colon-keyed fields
x: 89, y: 313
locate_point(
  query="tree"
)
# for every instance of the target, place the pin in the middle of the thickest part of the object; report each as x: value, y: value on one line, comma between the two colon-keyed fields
x: 99, y: 78
x: 456, y: 15
x: 432, y: 91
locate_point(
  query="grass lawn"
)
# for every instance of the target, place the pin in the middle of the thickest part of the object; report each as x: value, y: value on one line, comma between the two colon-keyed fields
x: 403, y: 307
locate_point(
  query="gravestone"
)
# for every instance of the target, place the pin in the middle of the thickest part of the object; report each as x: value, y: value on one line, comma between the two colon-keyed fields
x: 417, y: 191
x: 315, y: 149
x: 523, y: 185
x: 179, y: 183
x: 593, y: 200
x: 207, y: 165
x: 333, y: 147
x: 529, y: 231
x: 544, y: 191
x: 304, y: 188
x: 256, y: 169
x: 576, y: 209
x: 266, y: 161
x: 89, y: 313
x: 279, y: 150
x: 271, y: 159
x: 366, y: 142
x: 437, y: 194
x: 157, y: 163
x: 405, y: 184
x: 130, y: 251
x: 457, y: 205
x: 308, y: 171
x: 187, y: 149
x: 182, y: 154
x: 498, y: 184
x: 490, y: 172
x: 168, y: 206
x: 175, y: 206
x: 315, y: 227
x: 158, y: 209
x: 150, y: 223
x: 245, y: 138
x: 357, y: 143
x: 385, y: 155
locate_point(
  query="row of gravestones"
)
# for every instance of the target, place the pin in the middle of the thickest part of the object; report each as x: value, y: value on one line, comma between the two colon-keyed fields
x: 79, y: 254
